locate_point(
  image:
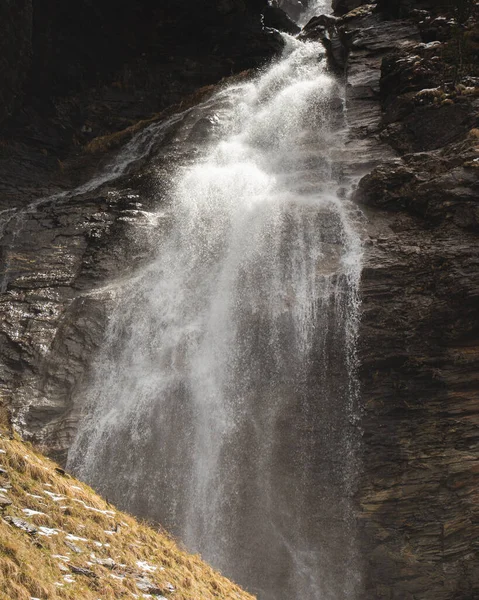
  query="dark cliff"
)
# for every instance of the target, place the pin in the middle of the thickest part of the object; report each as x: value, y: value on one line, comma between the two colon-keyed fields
x: 72, y: 72
x: 412, y: 73
x: 51, y: 49
x: 413, y: 104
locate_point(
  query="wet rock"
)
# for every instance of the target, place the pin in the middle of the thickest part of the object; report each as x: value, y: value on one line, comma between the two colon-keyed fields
x: 388, y: 186
x: 324, y: 28
x: 436, y: 186
x: 277, y: 18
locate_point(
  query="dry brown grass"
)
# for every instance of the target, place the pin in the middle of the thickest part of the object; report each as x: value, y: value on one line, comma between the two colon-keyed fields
x: 40, y: 566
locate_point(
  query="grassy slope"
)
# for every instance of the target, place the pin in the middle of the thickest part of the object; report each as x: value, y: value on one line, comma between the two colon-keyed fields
x: 42, y: 565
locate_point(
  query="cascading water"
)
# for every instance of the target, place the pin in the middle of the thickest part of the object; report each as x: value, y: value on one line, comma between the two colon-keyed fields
x: 222, y: 401
x: 313, y: 8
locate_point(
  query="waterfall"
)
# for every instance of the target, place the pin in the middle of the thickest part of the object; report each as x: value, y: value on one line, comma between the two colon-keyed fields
x: 314, y: 8
x: 222, y: 401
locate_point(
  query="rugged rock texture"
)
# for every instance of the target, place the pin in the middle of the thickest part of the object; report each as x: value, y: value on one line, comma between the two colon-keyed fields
x: 419, y: 338
x: 61, y: 259
x: 415, y: 113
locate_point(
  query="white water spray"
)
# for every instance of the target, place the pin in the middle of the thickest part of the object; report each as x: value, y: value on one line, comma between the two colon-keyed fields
x: 314, y: 9
x: 222, y: 400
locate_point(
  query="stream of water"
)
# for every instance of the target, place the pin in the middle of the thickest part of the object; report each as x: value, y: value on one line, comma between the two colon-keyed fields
x: 222, y: 402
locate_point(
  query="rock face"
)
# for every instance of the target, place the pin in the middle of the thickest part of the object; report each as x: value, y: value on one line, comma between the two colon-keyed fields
x: 413, y: 117
x: 418, y: 343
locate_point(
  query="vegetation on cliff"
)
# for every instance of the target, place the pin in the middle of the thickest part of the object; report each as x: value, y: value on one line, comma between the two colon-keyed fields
x: 60, y: 540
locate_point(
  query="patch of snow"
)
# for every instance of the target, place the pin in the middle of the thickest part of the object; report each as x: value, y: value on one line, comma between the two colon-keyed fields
x: 97, y: 510
x: 61, y: 557
x: 144, y: 566
x: 54, y: 497
x: 34, y: 496
x: 100, y: 545
x: 74, y: 538
x: 47, y: 532
x: 30, y: 513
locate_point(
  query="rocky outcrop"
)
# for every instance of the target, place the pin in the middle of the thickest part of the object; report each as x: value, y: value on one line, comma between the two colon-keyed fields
x: 418, y: 341
x: 415, y: 115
